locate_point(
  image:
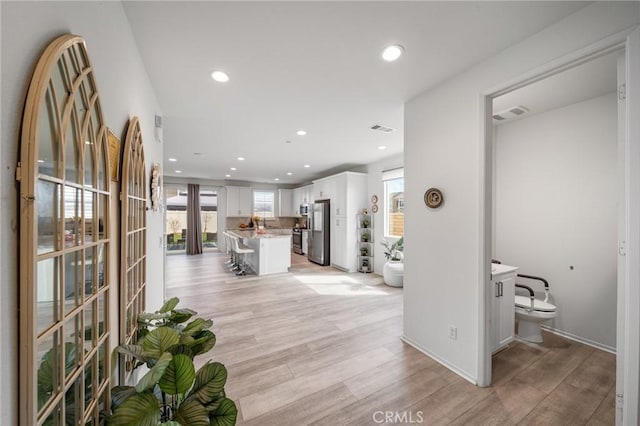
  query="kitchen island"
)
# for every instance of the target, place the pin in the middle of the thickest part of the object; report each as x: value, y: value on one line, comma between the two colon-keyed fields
x: 272, y: 250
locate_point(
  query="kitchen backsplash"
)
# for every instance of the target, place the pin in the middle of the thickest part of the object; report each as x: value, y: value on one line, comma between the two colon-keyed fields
x: 280, y: 222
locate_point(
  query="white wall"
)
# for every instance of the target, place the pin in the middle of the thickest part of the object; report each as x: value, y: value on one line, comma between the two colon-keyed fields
x: 555, y: 207
x: 125, y: 90
x: 443, y: 149
x: 376, y: 186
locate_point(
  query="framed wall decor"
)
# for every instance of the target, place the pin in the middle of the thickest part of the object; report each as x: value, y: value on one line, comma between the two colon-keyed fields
x: 433, y: 198
x: 114, y: 154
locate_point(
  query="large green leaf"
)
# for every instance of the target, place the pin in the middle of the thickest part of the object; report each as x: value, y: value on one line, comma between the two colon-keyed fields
x: 181, y: 349
x: 225, y: 415
x: 204, y: 341
x: 196, y: 325
x: 181, y: 315
x: 119, y: 394
x: 179, y: 375
x: 159, y: 340
x: 154, y: 374
x: 141, y: 410
x: 135, y: 351
x: 169, y: 305
x: 210, y: 381
x: 192, y: 413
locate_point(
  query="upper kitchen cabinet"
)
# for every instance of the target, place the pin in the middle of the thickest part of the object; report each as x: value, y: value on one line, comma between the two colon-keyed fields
x: 324, y: 189
x: 239, y: 201
x: 350, y: 193
x: 286, y: 206
x: 301, y: 195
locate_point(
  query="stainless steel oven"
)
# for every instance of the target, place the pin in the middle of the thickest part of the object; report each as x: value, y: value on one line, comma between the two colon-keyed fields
x: 296, y: 240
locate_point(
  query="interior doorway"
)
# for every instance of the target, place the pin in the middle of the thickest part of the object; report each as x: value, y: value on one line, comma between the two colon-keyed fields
x: 627, y: 347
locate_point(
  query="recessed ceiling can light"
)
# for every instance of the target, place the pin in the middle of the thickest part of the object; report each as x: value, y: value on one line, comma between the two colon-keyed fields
x: 219, y: 76
x: 307, y: 166
x: 173, y: 160
x: 382, y: 147
x: 289, y: 173
x: 301, y: 133
x: 233, y: 169
x: 178, y: 171
x: 240, y: 158
x: 227, y: 175
x: 277, y: 179
x: 392, y: 53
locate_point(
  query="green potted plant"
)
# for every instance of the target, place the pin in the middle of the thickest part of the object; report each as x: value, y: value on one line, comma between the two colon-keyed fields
x: 365, y: 237
x: 364, y: 251
x: 364, y: 223
x: 172, y: 392
x: 393, y: 270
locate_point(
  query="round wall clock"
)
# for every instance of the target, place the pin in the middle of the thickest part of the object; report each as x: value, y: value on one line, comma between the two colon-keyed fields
x: 433, y: 198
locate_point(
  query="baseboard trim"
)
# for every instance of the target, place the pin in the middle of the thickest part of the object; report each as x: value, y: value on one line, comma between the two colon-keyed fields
x: 460, y: 372
x: 579, y: 339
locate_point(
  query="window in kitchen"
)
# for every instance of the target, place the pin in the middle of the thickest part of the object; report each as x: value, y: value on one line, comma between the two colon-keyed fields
x: 264, y: 204
x: 393, y: 202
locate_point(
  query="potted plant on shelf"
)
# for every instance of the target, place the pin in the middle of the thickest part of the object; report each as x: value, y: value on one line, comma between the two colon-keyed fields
x: 365, y: 237
x: 172, y: 392
x: 364, y: 251
x: 393, y: 270
x: 365, y: 222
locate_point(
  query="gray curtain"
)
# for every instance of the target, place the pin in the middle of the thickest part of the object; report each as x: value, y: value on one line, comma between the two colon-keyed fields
x: 194, y: 227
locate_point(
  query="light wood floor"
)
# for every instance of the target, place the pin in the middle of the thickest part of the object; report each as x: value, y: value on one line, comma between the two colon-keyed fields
x: 319, y: 346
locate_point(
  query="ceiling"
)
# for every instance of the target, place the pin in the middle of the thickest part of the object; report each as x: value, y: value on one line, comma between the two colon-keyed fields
x: 314, y: 66
x: 594, y: 78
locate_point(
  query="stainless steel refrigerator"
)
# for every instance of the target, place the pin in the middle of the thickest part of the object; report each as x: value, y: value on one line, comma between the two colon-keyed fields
x: 318, y: 223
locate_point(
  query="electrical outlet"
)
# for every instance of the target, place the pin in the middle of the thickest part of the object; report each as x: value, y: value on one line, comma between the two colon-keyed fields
x: 453, y: 332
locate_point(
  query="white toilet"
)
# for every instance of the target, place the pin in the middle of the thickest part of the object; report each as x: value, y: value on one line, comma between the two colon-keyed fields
x: 529, y: 320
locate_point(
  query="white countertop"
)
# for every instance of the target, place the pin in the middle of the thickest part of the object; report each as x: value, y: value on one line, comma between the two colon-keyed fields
x: 269, y: 233
x: 497, y: 269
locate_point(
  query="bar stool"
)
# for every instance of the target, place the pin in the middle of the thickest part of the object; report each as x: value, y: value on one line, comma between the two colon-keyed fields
x: 242, y: 251
x: 229, y: 248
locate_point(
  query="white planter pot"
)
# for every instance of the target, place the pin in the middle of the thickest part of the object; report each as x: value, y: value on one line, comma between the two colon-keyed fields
x: 393, y: 273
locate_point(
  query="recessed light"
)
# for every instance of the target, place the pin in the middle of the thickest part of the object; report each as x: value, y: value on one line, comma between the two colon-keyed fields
x: 233, y: 169
x: 307, y: 166
x: 289, y: 173
x: 173, y: 160
x: 381, y: 147
x: 392, y: 53
x: 277, y: 179
x: 240, y: 158
x: 227, y: 175
x: 301, y: 133
x: 178, y: 171
x: 219, y: 76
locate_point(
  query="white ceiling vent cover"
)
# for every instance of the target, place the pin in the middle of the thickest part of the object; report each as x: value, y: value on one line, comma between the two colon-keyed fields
x: 382, y: 128
x: 511, y: 113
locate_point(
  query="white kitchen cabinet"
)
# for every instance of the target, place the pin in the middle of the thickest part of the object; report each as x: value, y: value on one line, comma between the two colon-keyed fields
x: 502, y: 315
x: 347, y: 194
x: 285, y: 203
x: 324, y: 189
x: 239, y: 201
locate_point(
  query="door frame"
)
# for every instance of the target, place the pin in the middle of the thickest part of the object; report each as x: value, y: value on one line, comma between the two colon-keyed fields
x: 628, y: 324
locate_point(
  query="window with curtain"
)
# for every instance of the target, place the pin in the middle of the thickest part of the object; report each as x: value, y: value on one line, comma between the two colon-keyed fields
x: 393, y: 202
x: 264, y: 204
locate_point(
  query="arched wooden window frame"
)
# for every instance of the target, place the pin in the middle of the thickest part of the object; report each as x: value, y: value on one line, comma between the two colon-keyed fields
x: 64, y: 358
x: 133, y: 222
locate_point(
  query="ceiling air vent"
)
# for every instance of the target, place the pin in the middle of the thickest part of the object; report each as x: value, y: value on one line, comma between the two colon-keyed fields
x: 512, y: 112
x: 381, y: 128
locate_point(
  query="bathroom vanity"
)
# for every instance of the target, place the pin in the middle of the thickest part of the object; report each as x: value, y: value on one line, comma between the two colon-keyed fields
x: 502, y: 309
